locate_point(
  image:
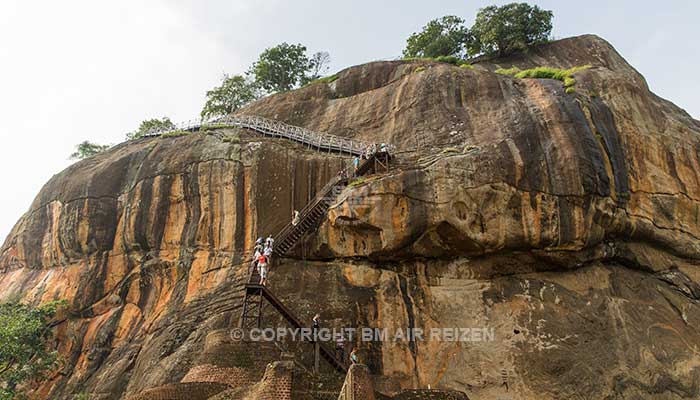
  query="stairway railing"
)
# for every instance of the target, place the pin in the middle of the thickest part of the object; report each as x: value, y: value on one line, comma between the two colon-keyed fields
x: 319, y: 140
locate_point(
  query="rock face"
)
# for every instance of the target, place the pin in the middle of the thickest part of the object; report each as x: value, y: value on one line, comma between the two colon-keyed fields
x: 563, y: 228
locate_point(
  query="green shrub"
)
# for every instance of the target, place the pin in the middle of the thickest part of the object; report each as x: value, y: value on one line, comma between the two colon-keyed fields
x: 443, y: 59
x: 508, y: 71
x: 213, y: 127
x: 26, y: 345
x: 326, y: 79
x: 175, y: 134
x: 357, y: 182
x: 564, y: 75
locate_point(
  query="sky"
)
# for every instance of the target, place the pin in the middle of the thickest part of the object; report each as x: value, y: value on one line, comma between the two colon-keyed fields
x: 79, y: 70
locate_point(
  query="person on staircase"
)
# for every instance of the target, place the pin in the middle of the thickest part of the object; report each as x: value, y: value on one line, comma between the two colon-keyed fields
x: 262, y: 267
x: 356, y: 164
x: 316, y: 325
x: 295, y: 218
x: 267, y: 252
x: 257, y: 251
x: 270, y: 241
x: 340, y: 347
x: 354, y: 358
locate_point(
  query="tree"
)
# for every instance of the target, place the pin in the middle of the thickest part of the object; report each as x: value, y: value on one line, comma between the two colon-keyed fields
x: 318, y: 66
x: 24, y: 352
x: 281, y: 68
x: 234, y: 92
x: 150, y: 126
x: 512, y: 27
x: 87, y: 149
x: 444, y: 36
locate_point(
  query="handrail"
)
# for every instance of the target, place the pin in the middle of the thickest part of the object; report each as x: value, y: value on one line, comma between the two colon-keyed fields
x: 322, y: 193
x: 322, y: 141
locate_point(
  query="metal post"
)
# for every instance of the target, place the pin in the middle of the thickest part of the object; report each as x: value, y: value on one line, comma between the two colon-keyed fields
x: 316, y: 356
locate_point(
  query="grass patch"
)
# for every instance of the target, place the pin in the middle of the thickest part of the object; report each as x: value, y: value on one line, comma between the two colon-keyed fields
x: 566, y: 76
x: 443, y: 59
x: 467, y: 66
x: 326, y: 79
x: 175, y: 134
x: 231, y: 139
x: 357, y: 182
x: 508, y: 71
x: 419, y: 69
x: 213, y: 127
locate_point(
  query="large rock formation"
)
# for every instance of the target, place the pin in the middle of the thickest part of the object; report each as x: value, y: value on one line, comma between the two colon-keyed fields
x: 566, y: 225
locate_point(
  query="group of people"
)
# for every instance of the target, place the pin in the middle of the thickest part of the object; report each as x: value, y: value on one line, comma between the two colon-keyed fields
x: 263, y: 256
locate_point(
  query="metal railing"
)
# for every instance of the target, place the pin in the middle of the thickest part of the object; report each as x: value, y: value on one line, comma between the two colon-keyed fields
x: 316, y: 140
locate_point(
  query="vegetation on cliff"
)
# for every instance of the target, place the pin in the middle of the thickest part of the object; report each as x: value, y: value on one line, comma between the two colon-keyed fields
x: 564, y: 75
x: 87, y: 149
x: 24, y: 354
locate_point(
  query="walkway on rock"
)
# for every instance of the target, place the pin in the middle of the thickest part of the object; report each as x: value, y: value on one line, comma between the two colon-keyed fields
x: 268, y: 127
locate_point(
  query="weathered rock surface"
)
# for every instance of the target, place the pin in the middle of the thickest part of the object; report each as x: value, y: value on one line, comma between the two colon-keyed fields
x: 569, y: 224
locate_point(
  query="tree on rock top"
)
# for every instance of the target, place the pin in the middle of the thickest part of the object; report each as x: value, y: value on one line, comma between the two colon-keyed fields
x: 150, y: 126
x: 234, y: 92
x: 504, y: 30
x: 281, y: 68
x: 444, y: 36
x: 88, y: 149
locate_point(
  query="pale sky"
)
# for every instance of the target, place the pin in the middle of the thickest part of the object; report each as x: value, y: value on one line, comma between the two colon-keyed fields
x: 73, y: 70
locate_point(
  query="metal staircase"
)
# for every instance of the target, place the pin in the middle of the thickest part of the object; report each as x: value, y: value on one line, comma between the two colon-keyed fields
x: 255, y: 290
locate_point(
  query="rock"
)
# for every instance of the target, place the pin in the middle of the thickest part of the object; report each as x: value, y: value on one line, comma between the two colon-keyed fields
x: 562, y: 229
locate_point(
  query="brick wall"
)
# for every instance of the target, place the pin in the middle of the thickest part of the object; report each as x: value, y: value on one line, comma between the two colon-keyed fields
x: 234, y: 363
x: 276, y: 384
x: 358, y: 384
x: 234, y: 377
x: 181, y: 391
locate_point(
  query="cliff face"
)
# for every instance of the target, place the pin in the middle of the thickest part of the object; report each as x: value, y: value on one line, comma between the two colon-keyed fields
x: 568, y: 223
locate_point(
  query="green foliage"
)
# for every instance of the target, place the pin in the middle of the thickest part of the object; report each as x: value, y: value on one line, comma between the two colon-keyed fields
x: 357, y: 182
x: 509, y: 28
x: 215, y: 126
x: 466, y: 66
x: 233, y: 93
x: 149, y: 126
x: 564, y: 75
x: 326, y: 79
x: 419, y: 69
x: 24, y: 354
x: 87, y: 149
x: 443, y: 59
x: 452, y: 60
x: 177, y: 133
x: 508, y: 71
x: 440, y: 37
x: 281, y: 68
